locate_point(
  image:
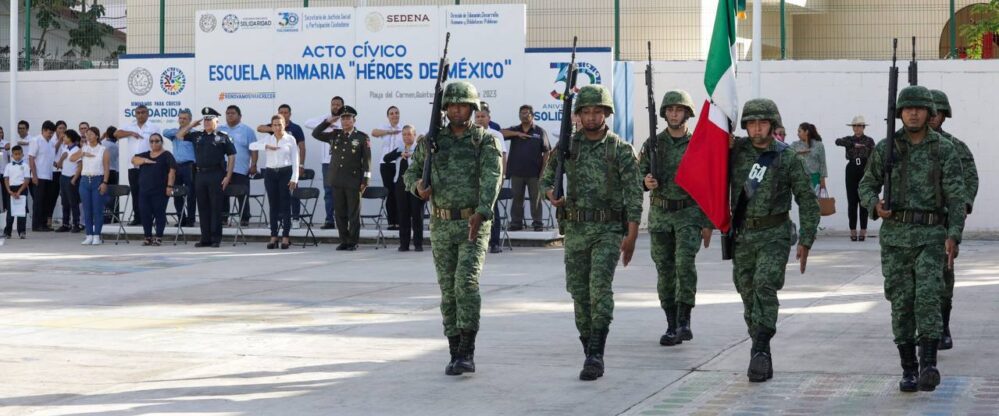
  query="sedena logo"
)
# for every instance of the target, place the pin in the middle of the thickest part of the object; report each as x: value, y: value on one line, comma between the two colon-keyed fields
x: 173, y: 80
x: 374, y: 21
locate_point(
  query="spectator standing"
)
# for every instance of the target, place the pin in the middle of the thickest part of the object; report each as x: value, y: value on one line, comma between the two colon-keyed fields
x: 483, y: 118
x: 858, y: 149
x: 157, y: 171
x: 41, y: 159
x: 110, y: 143
x: 16, y: 175
x: 69, y: 192
x: 280, y: 179
x: 242, y: 137
x: 809, y: 147
x: 137, y: 133
x: 95, y: 168
x: 336, y: 109
x: 391, y: 135
x: 284, y: 110
x: 410, y: 207
x: 529, y: 150
x: 183, y: 153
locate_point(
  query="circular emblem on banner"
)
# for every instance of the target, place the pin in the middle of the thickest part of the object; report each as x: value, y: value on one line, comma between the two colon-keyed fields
x: 140, y: 81
x: 230, y: 23
x: 207, y: 22
x: 173, y: 81
x: 374, y: 21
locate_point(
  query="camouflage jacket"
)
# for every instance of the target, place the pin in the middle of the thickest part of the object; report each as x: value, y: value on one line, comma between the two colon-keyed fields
x: 784, y: 177
x: 669, y: 151
x: 465, y: 171
x: 968, y: 168
x: 601, y: 175
x: 926, y: 177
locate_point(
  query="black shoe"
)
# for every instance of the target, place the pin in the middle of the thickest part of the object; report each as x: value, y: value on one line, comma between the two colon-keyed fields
x: 946, y: 341
x: 393, y: 228
x: 453, y: 345
x: 495, y: 249
x: 216, y: 244
x: 351, y: 247
x: 761, y: 364
x: 403, y: 248
x: 418, y: 248
x: 670, y: 338
x: 910, y: 368
x: 147, y: 242
x: 341, y: 247
x: 45, y: 229
x: 187, y: 224
x: 6, y: 235
x: 683, y: 322
x: 466, y: 353
x: 539, y: 228
x: 202, y: 244
x: 285, y: 246
x: 134, y: 223
x: 21, y: 236
x: 593, y: 367
x: 328, y: 226
x: 64, y: 229
x: 272, y: 245
x: 929, y: 376
x: 516, y: 228
x: 77, y: 228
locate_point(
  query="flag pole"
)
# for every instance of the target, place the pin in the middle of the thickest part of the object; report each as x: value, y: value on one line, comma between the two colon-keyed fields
x: 757, y: 46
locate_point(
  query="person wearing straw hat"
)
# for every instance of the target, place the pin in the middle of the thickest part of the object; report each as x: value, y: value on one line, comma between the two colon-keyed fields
x: 858, y: 149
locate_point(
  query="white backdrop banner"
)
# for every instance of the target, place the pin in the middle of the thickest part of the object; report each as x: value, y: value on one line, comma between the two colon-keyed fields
x: 544, y: 88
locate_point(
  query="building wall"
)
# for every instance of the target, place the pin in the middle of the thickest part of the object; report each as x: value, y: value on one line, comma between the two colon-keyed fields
x: 61, y: 95
x: 829, y: 93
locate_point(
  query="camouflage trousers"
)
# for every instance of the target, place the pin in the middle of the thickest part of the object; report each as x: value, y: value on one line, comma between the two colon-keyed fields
x: 459, y: 264
x: 591, y: 255
x: 673, y: 252
x: 947, y: 295
x: 914, y: 287
x: 758, y: 273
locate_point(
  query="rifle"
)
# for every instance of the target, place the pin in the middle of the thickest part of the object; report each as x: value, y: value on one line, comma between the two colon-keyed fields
x: 653, y: 119
x: 913, y: 66
x: 436, y: 115
x: 890, y: 148
x: 565, y: 134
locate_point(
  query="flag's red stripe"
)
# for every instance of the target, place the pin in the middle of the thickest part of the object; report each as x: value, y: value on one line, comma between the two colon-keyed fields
x: 703, y: 171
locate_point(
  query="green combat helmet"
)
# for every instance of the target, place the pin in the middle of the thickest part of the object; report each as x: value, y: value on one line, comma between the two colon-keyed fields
x: 761, y: 109
x: 677, y: 97
x: 942, y: 102
x: 915, y: 96
x: 461, y: 92
x: 594, y: 94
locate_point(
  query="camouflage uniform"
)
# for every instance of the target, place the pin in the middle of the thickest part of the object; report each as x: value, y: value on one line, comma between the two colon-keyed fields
x: 465, y: 179
x: 764, y: 231
x: 675, y: 223
x: 604, y: 194
x: 970, y: 176
x: 927, y: 193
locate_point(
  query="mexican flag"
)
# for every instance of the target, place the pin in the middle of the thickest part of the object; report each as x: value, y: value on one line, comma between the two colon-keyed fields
x: 703, y: 171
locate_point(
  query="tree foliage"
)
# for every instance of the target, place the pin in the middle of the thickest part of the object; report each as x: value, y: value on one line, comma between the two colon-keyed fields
x: 985, y: 19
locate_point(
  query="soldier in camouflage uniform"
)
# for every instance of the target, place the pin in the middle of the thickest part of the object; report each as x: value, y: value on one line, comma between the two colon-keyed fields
x: 676, y: 223
x: 600, y: 214
x: 970, y: 176
x: 919, y: 233
x: 764, y: 175
x: 465, y: 178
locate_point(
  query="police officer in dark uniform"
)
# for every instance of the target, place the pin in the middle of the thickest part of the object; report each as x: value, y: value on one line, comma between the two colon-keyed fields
x: 348, y: 175
x: 212, y: 148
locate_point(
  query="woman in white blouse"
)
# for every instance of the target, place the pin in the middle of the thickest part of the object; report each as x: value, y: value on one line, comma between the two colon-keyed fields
x: 280, y: 178
x: 94, y: 171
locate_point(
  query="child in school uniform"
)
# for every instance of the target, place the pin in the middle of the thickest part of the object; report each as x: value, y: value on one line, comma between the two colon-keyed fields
x: 14, y: 182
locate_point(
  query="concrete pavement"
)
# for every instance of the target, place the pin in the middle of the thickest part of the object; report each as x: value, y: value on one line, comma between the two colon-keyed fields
x: 133, y: 330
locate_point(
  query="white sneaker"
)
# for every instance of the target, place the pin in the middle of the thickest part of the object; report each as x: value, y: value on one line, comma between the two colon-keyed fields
x: 88, y: 241
x: 97, y: 240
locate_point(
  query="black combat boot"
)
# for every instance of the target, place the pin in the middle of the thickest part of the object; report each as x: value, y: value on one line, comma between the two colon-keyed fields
x: 586, y: 344
x: 929, y: 376
x: 684, y: 321
x: 593, y: 367
x: 466, y: 353
x: 761, y: 364
x: 452, y: 343
x: 670, y: 337
x: 910, y: 367
x: 946, y: 342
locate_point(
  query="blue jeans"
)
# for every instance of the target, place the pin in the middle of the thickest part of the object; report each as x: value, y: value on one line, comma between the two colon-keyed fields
x: 152, y: 211
x: 327, y: 196
x: 93, y: 204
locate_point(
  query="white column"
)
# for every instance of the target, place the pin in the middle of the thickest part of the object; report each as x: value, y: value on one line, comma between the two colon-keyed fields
x: 757, y: 45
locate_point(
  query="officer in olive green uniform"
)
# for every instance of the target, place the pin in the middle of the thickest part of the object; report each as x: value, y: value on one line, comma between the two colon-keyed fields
x: 349, y: 171
x: 676, y: 224
x: 970, y: 176
x: 920, y: 231
x: 765, y: 174
x: 600, y: 214
x: 465, y: 181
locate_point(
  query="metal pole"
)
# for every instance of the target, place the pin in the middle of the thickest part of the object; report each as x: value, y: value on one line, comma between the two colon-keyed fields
x: 953, y: 31
x: 305, y: 3
x: 162, y: 27
x: 27, y: 34
x: 757, y: 46
x: 617, y: 30
x: 13, y: 68
x: 783, y: 31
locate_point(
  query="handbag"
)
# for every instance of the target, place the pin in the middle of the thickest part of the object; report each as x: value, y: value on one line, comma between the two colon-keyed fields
x: 827, y: 204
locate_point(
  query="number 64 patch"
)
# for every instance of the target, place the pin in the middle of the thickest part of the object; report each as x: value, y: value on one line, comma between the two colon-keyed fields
x: 757, y: 172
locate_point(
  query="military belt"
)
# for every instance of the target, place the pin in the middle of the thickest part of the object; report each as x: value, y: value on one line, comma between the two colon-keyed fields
x: 759, y: 223
x: 452, y: 214
x: 597, y: 215
x: 919, y: 217
x: 671, y: 205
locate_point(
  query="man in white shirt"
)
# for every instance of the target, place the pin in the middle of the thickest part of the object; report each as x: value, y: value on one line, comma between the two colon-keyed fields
x: 336, y: 109
x: 137, y: 133
x: 41, y: 158
x: 482, y: 118
x: 391, y: 135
